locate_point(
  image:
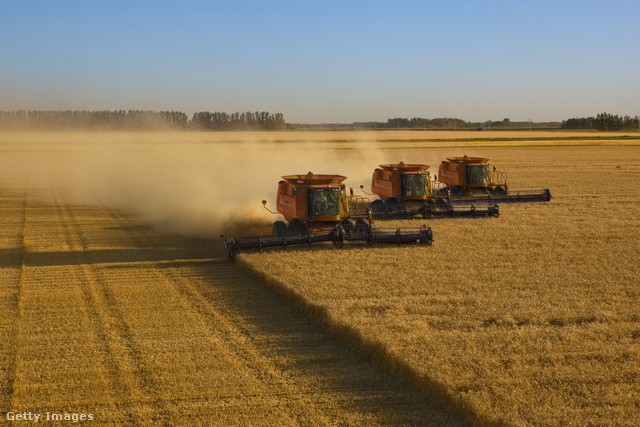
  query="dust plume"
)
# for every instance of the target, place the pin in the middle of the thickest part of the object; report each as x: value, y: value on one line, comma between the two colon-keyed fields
x: 200, y: 188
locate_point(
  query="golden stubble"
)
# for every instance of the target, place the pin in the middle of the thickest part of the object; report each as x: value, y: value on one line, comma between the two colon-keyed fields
x: 526, y: 319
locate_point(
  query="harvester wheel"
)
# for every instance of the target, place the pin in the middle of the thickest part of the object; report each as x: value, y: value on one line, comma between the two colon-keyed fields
x: 442, y: 192
x: 456, y: 191
x: 279, y: 229
x: 348, y: 227
x: 377, y: 206
x: 362, y: 227
x: 229, y: 249
x: 297, y: 227
x: 426, y: 235
x: 426, y: 210
x: 337, y: 237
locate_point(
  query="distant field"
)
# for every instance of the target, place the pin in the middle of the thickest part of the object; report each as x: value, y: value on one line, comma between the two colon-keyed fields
x: 341, y: 136
x: 117, y: 300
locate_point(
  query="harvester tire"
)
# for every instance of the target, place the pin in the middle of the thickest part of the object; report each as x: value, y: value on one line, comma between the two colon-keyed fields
x: 377, y: 206
x: 362, y: 227
x: 348, y: 227
x: 297, y: 228
x: 392, y: 205
x: 229, y: 249
x: 279, y: 229
x: 426, y: 235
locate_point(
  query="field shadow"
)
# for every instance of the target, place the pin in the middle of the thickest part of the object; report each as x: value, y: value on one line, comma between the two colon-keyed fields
x: 314, y: 351
x: 11, y: 258
x: 319, y: 362
x: 102, y: 256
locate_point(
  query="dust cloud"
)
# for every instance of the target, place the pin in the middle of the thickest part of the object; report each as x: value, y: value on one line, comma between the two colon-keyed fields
x: 200, y: 188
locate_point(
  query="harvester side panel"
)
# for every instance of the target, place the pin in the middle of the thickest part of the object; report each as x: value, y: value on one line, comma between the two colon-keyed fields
x: 302, y: 200
x: 285, y: 203
x: 396, y: 183
x: 451, y: 174
x: 292, y: 200
x: 381, y: 184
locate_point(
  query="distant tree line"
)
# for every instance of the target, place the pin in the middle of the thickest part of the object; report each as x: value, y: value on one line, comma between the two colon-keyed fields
x: 603, y: 121
x: 137, y: 120
x: 451, y: 123
x: 238, y: 121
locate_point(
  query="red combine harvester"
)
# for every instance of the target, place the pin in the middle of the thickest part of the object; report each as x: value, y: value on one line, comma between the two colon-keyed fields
x: 317, y: 209
x: 472, y: 179
x: 405, y: 191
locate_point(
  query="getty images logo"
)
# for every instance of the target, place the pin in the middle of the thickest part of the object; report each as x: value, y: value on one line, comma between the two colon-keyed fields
x: 47, y: 416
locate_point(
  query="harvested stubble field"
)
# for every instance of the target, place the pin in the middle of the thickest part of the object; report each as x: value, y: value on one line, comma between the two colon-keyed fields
x: 527, y: 319
x: 532, y: 318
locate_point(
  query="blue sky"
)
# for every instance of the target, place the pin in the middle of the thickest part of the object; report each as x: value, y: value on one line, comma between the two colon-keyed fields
x: 325, y: 61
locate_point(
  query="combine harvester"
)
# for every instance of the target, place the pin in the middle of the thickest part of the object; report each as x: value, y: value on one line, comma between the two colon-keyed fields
x: 472, y: 179
x: 318, y: 209
x: 405, y: 191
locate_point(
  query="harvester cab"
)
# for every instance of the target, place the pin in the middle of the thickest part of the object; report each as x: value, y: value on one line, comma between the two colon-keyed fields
x: 406, y: 190
x: 401, y: 181
x: 468, y: 173
x: 313, y: 202
x: 316, y: 208
x: 467, y: 179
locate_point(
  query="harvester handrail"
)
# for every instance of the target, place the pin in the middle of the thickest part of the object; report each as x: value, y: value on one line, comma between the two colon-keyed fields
x: 499, y: 178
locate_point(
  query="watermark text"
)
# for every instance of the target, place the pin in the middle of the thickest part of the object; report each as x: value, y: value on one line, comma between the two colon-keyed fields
x: 48, y: 416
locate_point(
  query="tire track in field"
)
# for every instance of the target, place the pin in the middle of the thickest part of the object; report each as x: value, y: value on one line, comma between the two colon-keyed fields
x: 13, y: 208
x: 218, y: 335
x: 125, y: 365
x: 49, y: 318
x: 73, y: 353
x: 280, y: 345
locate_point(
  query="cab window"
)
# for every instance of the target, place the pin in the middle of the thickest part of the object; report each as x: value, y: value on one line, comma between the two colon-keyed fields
x: 477, y: 174
x: 414, y: 185
x: 324, y: 202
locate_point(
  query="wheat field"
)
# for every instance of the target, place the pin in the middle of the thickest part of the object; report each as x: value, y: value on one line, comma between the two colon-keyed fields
x: 110, y: 320
x: 532, y: 318
x: 118, y: 303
